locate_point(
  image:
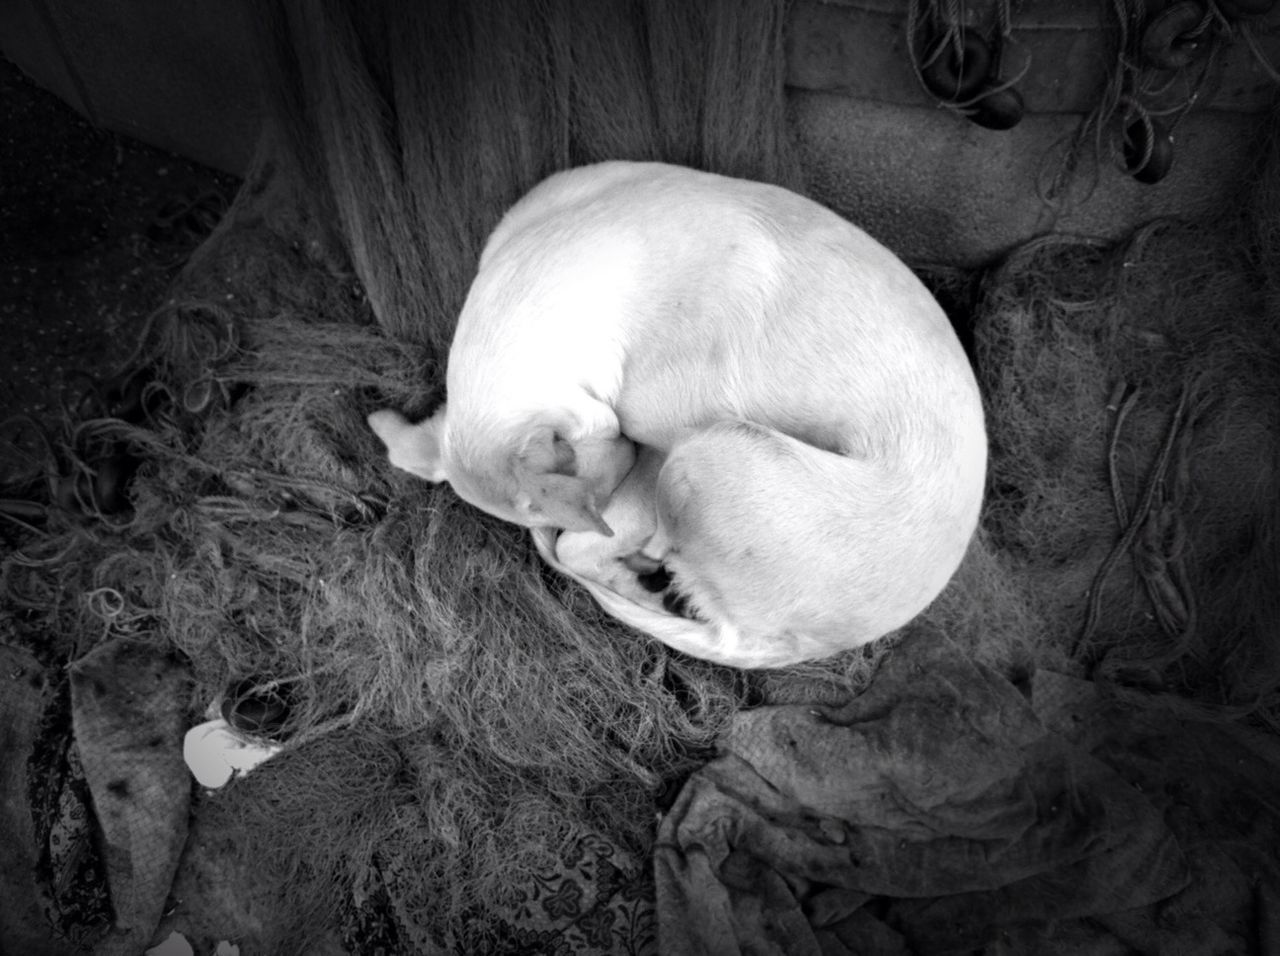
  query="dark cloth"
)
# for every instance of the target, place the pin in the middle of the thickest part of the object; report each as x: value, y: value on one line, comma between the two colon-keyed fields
x: 1217, y: 784
x: 934, y: 813
x: 128, y: 709
x: 70, y: 878
x: 29, y: 861
x: 100, y: 776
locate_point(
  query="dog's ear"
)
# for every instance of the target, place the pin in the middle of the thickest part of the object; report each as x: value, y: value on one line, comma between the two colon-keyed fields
x: 546, y: 473
x: 412, y: 448
x: 544, y: 452
x: 563, y: 501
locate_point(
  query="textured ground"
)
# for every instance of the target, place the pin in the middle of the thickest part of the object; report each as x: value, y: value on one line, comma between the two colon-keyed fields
x: 93, y: 226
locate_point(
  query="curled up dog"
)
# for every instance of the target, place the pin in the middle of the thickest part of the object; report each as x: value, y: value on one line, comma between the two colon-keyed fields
x: 726, y: 396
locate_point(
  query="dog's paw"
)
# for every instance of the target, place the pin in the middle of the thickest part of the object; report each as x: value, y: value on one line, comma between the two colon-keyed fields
x: 657, y: 581
x: 678, y: 604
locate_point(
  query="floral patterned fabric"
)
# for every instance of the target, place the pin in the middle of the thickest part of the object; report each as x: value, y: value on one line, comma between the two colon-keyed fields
x: 598, y: 900
x: 71, y: 880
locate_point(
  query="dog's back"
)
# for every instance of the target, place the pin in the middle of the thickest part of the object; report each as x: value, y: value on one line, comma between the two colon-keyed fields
x: 680, y: 298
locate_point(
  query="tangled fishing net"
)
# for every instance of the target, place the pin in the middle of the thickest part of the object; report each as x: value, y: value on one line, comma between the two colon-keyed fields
x: 1134, y: 395
x: 459, y: 716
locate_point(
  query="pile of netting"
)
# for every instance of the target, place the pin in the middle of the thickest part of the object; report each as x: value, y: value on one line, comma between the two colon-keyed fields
x: 453, y: 704
x: 1134, y: 416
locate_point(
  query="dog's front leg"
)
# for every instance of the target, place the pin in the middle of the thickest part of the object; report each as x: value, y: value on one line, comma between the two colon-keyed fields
x: 601, y: 454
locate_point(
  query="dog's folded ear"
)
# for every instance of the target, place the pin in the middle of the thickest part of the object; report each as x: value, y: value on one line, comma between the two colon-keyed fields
x: 545, y: 451
x: 563, y: 501
x: 546, y: 471
x: 412, y: 448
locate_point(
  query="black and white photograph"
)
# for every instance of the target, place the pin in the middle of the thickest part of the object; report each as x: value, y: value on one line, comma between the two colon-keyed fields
x: 640, y: 478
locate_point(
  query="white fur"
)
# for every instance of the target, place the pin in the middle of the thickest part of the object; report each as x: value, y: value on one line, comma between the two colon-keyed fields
x: 656, y: 304
x: 406, y: 447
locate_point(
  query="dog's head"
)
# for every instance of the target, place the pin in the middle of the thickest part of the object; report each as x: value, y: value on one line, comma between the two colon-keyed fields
x: 551, y: 483
x: 533, y: 477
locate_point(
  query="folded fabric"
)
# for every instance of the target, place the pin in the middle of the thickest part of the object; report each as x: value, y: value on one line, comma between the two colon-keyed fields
x: 128, y: 702
x: 594, y: 900
x: 928, y: 815
x: 40, y: 858
x: 1217, y: 783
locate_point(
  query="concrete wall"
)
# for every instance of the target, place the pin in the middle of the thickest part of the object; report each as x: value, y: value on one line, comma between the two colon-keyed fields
x: 875, y: 145
x: 173, y: 73
x: 935, y: 186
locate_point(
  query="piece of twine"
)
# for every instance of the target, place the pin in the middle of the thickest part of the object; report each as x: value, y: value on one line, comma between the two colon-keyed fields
x: 1153, y: 531
x: 927, y: 18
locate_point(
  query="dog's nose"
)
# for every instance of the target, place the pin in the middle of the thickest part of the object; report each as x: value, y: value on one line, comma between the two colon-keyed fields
x: 659, y: 579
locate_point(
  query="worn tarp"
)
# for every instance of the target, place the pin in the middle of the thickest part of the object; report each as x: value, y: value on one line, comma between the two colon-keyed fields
x: 945, y: 809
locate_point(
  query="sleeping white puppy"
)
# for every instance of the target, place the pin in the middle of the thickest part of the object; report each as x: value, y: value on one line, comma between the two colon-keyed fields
x: 812, y: 448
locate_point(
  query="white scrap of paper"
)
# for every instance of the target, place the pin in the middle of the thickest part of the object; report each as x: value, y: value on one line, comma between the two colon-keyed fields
x: 175, y: 944
x: 215, y: 752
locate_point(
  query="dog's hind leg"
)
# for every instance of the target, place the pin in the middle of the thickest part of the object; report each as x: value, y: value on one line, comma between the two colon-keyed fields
x: 803, y: 549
